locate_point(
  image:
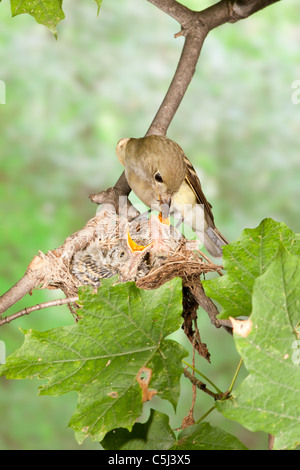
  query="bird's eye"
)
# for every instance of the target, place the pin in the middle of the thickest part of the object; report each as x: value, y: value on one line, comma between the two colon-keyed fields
x: 122, y: 254
x: 158, y: 177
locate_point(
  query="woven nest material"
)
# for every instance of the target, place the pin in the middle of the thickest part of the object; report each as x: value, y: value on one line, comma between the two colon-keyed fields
x: 167, y: 254
x: 101, y: 250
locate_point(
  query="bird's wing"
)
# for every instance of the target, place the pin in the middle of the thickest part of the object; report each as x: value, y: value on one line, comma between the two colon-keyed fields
x: 194, y: 183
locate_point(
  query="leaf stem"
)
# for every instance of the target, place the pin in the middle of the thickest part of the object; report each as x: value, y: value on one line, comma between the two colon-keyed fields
x: 235, y: 376
x: 225, y: 396
x: 206, y: 414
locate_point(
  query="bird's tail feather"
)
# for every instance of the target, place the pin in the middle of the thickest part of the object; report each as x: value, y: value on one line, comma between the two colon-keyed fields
x: 213, y: 242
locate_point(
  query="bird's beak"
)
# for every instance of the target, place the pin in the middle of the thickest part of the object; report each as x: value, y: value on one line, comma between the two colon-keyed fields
x: 133, y: 246
x: 165, y: 206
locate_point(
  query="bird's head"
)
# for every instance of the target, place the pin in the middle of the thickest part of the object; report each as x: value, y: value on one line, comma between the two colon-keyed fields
x: 154, y: 167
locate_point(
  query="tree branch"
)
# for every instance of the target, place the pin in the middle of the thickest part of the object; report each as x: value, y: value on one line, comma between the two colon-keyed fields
x: 25, y: 285
x: 182, y: 78
x: 175, y: 9
x: 195, y: 26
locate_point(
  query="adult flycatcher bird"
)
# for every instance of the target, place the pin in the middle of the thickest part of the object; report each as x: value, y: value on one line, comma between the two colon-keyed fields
x: 160, y: 174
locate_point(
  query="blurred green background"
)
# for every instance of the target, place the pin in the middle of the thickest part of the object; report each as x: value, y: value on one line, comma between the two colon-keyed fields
x: 69, y: 101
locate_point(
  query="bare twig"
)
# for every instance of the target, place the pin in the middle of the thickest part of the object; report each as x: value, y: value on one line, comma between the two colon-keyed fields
x: 207, y: 304
x: 27, y: 311
x: 271, y: 440
x: 189, y: 314
x: 201, y: 385
x: 189, y: 419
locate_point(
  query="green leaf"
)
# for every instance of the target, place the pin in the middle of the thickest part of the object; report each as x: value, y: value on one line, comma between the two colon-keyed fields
x: 245, y: 260
x: 123, y: 330
x: 269, y: 398
x: 156, y: 434
x: 203, y: 436
x: 46, y: 12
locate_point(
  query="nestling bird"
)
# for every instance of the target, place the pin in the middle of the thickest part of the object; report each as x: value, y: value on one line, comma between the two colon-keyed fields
x: 160, y: 174
x: 102, y: 260
x: 96, y: 263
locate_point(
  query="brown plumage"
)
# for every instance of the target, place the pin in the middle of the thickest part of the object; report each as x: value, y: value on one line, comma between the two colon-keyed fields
x: 159, y: 173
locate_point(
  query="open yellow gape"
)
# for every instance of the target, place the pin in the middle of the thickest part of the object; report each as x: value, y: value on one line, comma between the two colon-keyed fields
x: 134, y: 247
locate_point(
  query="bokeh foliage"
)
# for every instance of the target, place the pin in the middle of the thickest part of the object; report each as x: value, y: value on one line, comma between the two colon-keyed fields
x: 68, y: 101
